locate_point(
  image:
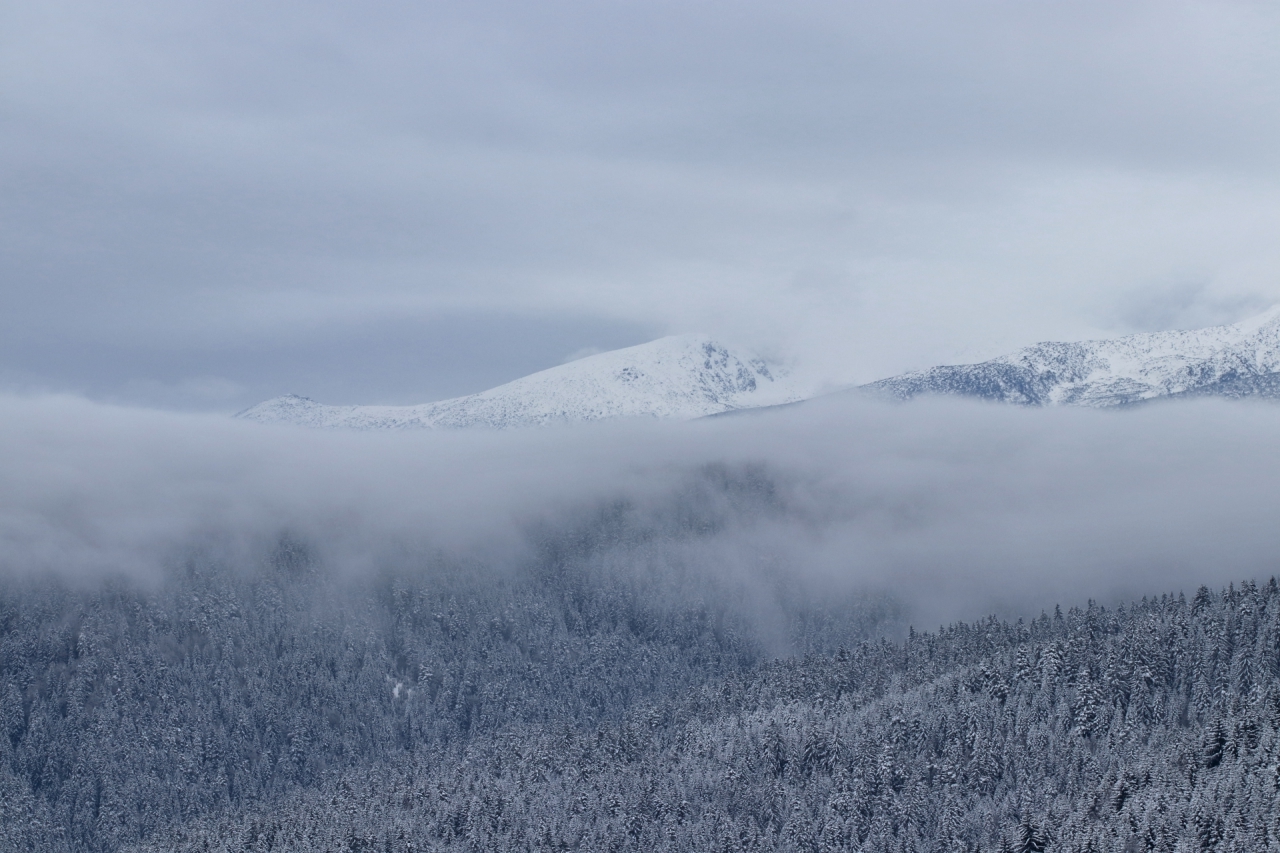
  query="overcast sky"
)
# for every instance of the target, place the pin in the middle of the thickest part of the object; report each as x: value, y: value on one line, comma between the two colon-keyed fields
x: 206, y: 204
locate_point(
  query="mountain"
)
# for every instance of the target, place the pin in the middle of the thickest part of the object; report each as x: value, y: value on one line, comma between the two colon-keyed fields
x: 680, y: 377
x: 692, y: 376
x: 1240, y: 360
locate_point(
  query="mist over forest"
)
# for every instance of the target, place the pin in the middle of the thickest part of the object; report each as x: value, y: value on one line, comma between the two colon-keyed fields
x: 953, y: 509
x: 217, y: 635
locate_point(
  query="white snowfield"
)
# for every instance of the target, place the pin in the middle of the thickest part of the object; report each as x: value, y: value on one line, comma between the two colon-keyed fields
x: 681, y: 377
x: 1240, y: 360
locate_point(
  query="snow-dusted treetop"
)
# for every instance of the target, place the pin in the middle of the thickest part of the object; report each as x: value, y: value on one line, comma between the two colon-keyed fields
x: 1240, y: 360
x: 685, y: 376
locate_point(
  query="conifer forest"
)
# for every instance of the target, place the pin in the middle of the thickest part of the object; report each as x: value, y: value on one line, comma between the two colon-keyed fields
x: 605, y: 695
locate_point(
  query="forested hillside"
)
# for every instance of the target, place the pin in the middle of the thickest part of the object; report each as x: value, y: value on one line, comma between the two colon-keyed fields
x: 608, y: 694
x: 129, y: 706
x: 1152, y: 727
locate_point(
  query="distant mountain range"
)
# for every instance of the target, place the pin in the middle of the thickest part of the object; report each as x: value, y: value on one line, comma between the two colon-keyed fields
x: 681, y: 377
x: 1240, y: 360
x: 692, y: 376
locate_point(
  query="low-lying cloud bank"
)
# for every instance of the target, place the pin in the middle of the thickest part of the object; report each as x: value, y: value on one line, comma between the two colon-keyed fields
x: 956, y: 509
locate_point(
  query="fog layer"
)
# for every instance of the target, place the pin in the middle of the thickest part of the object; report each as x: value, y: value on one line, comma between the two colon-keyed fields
x: 956, y: 509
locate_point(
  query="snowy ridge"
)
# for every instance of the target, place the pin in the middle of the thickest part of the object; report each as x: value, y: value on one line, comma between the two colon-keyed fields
x: 681, y: 377
x: 1240, y: 360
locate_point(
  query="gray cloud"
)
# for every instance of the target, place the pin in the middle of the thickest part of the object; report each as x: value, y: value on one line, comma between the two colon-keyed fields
x: 211, y: 180
x: 1183, y: 305
x: 390, y: 360
x: 957, y: 509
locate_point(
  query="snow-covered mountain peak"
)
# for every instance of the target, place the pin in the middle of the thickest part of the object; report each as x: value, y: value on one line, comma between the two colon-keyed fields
x: 680, y: 377
x: 1238, y: 360
x: 1254, y: 324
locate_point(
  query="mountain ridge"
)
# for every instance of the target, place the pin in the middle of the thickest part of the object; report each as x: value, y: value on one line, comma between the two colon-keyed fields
x: 684, y: 377
x: 1234, y: 361
x: 678, y: 377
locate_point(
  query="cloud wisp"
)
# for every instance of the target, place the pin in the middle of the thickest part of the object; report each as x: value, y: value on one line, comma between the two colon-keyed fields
x: 955, y: 509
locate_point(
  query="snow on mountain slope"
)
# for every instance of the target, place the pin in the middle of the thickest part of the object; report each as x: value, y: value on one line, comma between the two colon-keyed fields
x: 680, y: 377
x: 1240, y: 360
